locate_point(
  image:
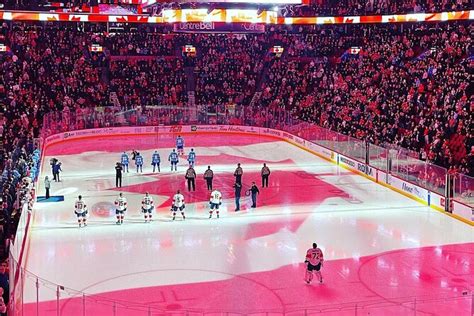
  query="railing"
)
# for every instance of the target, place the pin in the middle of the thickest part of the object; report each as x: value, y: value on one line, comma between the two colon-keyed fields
x: 463, y: 189
x: 394, y: 160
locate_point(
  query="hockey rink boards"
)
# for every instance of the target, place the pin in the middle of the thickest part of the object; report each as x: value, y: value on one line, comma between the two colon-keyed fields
x: 381, y: 249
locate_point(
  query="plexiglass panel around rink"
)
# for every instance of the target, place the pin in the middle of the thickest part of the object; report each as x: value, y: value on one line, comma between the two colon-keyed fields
x: 33, y: 294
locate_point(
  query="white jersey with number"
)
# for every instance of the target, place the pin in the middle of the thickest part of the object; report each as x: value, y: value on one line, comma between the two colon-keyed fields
x: 121, y: 203
x: 216, y: 197
x: 80, y: 207
x: 147, y: 202
x: 314, y: 256
x: 178, y: 200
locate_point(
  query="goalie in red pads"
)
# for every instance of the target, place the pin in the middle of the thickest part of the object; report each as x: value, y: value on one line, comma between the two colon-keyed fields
x: 314, y: 262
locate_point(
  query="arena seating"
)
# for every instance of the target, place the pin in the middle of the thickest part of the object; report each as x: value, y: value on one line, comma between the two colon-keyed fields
x: 315, y: 7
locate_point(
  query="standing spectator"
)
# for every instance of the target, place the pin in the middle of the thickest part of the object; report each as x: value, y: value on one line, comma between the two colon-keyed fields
x: 3, y: 307
x: 134, y: 154
x: 254, y: 191
x: 208, y: 176
x: 118, y: 175
x: 56, y: 170
x: 47, y: 186
x: 4, y: 281
x: 238, y: 174
x: 53, y: 162
x: 265, y: 175
x: 237, y: 191
x: 191, y: 177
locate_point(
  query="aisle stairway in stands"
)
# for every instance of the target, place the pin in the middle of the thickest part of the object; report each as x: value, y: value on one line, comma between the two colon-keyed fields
x: 190, y: 88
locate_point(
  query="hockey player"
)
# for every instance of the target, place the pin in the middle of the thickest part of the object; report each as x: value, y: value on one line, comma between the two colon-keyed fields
x: 215, y: 201
x: 155, y: 161
x: 180, y: 145
x: 192, y: 157
x: 178, y: 204
x: 147, y: 207
x: 174, y: 159
x: 80, y: 209
x: 139, y: 162
x: 120, y: 208
x: 124, y: 161
x: 314, y: 262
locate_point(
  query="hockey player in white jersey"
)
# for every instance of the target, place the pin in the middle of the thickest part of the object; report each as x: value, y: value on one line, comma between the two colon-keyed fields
x: 80, y: 209
x: 215, y: 201
x: 147, y: 207
x: 178, y: 204
x: 314, y: 261
x: 120, y: 208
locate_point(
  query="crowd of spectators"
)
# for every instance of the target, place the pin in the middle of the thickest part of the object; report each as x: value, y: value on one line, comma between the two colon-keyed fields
x: 228, y: 67
x: 367, y: 7
x: 141, y: 44
x: 408, y: 85
x: 314, y: 8
x: 148, y: 82
x: 404, y: 85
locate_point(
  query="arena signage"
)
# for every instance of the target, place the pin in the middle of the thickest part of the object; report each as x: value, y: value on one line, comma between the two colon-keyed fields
x: 348, y: 162
x: 218, y: 27
x: 409, y: 188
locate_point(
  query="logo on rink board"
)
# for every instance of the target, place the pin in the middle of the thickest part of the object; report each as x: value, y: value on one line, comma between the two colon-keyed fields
x: 193, y: 128
x: 412, y: 189
x: 176, y: 129
x: 348, y: 162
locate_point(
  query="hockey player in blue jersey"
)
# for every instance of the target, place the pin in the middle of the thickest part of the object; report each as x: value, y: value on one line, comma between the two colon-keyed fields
x: 192, y: 157
x: 173, y: 158
x: 155, y: 161
x: 124, y: 161
x: 180, y: 145
x: 139, y: 162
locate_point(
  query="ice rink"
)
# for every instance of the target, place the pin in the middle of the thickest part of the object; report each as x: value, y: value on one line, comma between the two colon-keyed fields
x: 381, y: 249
